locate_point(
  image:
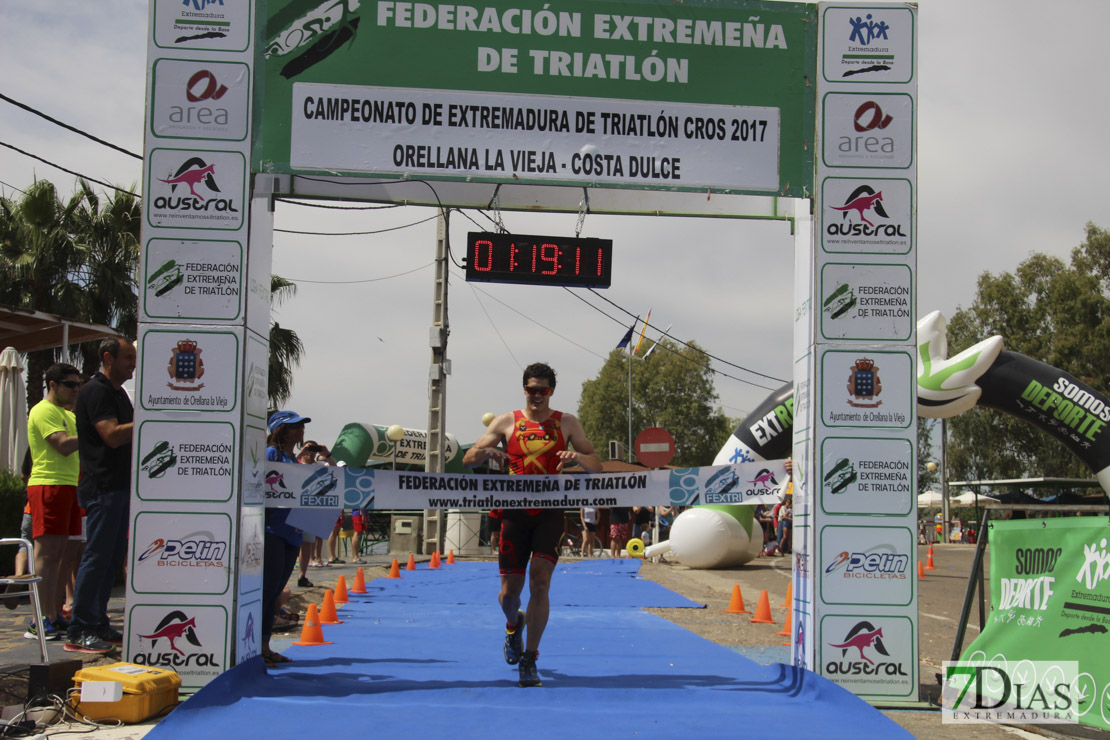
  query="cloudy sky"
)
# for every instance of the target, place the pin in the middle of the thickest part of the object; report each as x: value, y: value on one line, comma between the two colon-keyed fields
x: 1012, y: 159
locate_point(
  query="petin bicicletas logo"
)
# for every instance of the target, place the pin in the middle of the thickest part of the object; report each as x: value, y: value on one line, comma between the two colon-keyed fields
x: 198, y: 178
x: 185, y: 366
x: 169, y: 641
x: 874, y: 564
x: 862, y: 652
x: 193, y: 551
x: 864, y: 384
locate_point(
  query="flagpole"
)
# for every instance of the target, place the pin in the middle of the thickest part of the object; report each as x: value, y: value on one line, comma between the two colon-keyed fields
x: 628, y: 454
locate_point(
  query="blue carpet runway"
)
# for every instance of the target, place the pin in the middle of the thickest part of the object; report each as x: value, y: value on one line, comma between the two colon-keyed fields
x: 421, y: 657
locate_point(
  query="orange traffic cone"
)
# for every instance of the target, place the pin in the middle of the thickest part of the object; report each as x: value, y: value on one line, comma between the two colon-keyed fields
x: 412, y: 563
x: 788, y: 626
x: 450, y: 557
x: 435, y: 560
x: 341, y: 590
x: 763, y: 609
x: 929, y: 561
x: 789, y: 594
x: 394, y: 570
x: 311, y: 634
x: 327, y: 609
x: 360, y: 583
x: 736, y: 603
x: 920, y: 569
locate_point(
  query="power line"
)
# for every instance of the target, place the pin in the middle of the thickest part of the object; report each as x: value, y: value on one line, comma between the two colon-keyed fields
x: 74, y: 129
x: 356, y: 233
x: 283, y: 199
x: 67, y: 170
x: 355, y: 282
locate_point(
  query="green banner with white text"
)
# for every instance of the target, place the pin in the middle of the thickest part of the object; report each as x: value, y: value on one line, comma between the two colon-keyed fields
x: 1050, y: 601
x: 647, y: 95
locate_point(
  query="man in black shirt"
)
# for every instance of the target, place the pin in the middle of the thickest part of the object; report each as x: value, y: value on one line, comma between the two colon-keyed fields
x: 104, y: 430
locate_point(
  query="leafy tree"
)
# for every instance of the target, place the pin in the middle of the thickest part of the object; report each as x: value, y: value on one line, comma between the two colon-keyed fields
x: 38, y: 256
x: 286, y: 348
x: 107, y: 236
x: 673, y: 389
x: 926, y: 479
x: 1053, y: 312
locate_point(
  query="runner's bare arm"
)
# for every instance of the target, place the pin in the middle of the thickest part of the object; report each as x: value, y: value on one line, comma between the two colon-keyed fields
x: 487, y: 446
x: 583, y: 453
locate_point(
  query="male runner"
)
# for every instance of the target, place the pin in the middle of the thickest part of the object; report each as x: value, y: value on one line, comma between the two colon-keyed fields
x: 536, y: 439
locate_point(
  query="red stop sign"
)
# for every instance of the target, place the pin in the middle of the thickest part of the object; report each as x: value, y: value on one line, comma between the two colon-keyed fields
x: 654, y: 447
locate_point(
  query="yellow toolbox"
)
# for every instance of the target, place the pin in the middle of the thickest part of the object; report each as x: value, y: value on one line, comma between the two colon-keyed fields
x: 146, y: 691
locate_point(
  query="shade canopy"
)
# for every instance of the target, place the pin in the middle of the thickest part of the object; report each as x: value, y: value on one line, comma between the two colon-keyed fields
x: 27, y: 331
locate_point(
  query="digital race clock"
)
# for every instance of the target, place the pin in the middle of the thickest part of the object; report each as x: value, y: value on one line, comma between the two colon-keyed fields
x: 538, y: 260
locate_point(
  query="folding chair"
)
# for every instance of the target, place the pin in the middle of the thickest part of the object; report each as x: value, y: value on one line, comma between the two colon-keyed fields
x: 31, y: 581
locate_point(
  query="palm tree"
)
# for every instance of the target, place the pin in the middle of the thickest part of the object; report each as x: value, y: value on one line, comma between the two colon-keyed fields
x: 38, y: 258
x: 286, y: 348
x: 108, y: 239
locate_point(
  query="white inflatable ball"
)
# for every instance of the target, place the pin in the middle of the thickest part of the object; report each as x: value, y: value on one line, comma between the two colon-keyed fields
x: 708, y: 538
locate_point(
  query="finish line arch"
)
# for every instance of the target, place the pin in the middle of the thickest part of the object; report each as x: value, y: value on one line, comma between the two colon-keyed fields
x: 789, y: 111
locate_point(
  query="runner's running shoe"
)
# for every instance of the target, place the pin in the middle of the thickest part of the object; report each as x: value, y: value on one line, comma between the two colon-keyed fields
x: 529, y: 676
x: 514, y: 640
x: 87, y: 642
x: 48, y: 630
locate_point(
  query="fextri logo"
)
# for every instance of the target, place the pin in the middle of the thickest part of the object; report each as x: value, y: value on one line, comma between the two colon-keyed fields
x: 193, y: 551
x: 887, y: 565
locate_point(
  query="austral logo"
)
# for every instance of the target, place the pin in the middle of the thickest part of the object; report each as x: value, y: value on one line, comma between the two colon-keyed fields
x: 870, y: 565
x: 193, y: 551
x: 172, y: 636
x: 198, y: 178
x: 862, y: 652
x: 863, y: 202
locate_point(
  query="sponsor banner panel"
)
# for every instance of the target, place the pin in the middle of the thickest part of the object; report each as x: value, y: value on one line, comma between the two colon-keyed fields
x: 202, y: 25
x: 189, y: 639
x: 260, y: 261
x: 868, y: 130
x: 196, y: 189
x: 193, y: 280
x: 248, y: 630
x: 199, y: 99
x: 865, y: 387
x: 492, y: 81
x: 289, y: 485
x: 1050, y: 601
x: 867, y: 215
x: 191, y: 461
x: 870, y: 45
x: 189, y: 369
x: 252, y: 528
x: 433, y: 132
x: 867, y: 565
x: 868, y: 475
x: 255, y: 382
x: 866, y: 302
x: 870, y: 654
x: 254, y: 465
x: 181, y: 553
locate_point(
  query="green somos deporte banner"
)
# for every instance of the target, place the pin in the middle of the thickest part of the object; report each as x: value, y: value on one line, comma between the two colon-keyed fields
x: 1050, y: 601
x: 638, y: 94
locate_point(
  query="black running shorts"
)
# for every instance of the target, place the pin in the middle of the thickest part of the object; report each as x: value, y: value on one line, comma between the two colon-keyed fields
x: 525, y: 536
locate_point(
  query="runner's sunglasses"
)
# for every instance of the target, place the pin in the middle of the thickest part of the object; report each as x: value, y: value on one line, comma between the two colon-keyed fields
x: 538, y: 391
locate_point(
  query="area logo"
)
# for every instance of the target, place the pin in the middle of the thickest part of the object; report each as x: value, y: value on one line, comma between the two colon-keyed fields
x: 178, y: 630
x: 185, y: 366
x: 202, y: 86
x: 887, y: 565
x: 864, y: 384
x: 160, y: 459
x: 870, y: 116
x: 867, y: 642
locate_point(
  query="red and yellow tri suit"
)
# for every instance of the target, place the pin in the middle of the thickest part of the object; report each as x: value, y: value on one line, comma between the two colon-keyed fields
x: 533, y: 449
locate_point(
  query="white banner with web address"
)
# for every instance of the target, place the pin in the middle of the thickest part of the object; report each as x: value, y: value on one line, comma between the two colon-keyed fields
x: 289, y: 485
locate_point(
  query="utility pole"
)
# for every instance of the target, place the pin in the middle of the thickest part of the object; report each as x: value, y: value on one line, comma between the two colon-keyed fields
x: 437, y: 382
